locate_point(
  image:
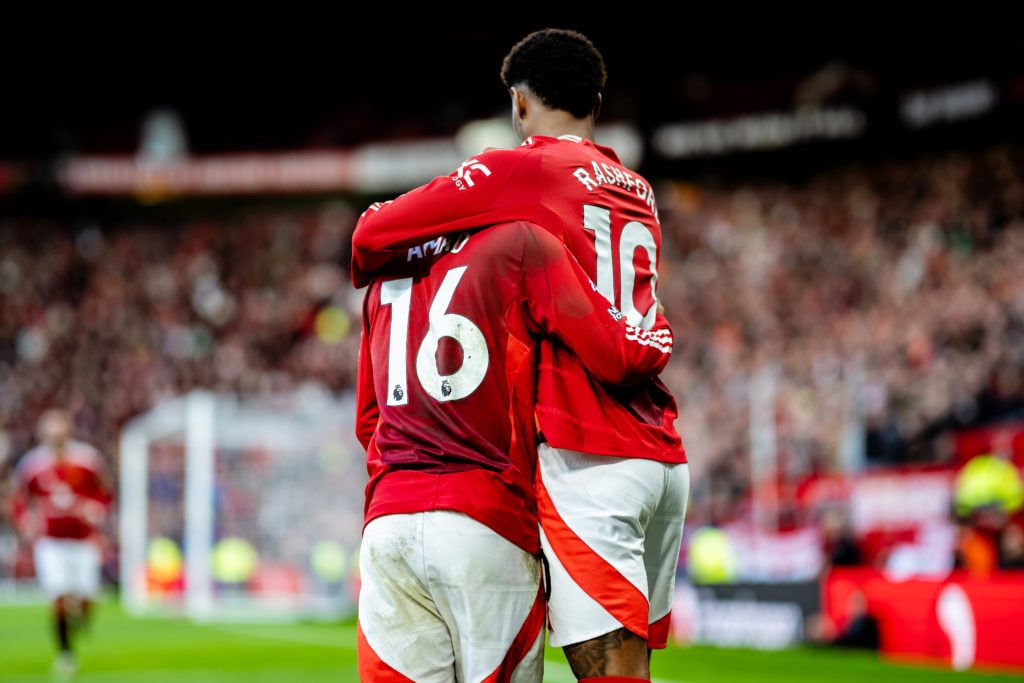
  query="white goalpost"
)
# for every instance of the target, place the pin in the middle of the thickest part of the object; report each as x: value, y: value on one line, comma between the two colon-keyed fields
x: 242, y: 509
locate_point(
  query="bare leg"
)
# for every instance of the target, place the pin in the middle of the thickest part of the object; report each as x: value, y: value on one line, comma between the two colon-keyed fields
x: 64, y: 615
x: 619, y: 653
x: 79, y: 612
x: 62, y: 623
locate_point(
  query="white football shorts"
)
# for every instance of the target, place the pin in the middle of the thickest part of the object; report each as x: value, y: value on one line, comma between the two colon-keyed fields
x: 67, y: 567
x: 444, y: 598
x: 611, y: 530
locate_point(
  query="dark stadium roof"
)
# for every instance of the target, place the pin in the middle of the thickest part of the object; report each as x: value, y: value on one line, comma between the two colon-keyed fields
x: 288, y: 80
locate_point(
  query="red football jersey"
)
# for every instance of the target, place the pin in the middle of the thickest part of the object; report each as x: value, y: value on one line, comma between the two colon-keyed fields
x: 607, y: 216
x: 68, y: 494
x: 448, y: 363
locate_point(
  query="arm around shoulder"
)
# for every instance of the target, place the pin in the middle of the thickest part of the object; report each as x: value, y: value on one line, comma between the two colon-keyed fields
x: 567, y: 305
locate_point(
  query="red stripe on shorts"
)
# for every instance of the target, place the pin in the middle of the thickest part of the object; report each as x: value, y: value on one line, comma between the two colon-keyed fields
x: 598, y: 579
x: 524, y: 640
x: 371, y: 668
x: 657, y: 638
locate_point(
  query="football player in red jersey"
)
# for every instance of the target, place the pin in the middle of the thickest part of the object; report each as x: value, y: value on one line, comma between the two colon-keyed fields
x: 61, y: 500
x: 450, y: 570
x: 614, y: 479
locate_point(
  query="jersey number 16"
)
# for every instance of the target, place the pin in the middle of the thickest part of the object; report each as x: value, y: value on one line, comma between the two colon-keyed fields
x: 475, y: 358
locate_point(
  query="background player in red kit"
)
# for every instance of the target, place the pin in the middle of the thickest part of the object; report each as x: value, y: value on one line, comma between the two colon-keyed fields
x: 612, y: 567
x: 61, y: 499
x: 451, y: 581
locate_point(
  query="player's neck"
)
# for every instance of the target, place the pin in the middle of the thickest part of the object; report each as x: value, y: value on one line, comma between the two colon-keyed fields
x: 555, y: 123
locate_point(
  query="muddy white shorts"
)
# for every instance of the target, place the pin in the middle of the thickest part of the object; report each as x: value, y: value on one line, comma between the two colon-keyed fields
x: 611, y: 530
x: 444, y: 598
x: 67, y: 566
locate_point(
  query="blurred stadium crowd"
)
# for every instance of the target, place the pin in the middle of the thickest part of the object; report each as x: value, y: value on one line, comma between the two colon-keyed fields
x: 892, y: 289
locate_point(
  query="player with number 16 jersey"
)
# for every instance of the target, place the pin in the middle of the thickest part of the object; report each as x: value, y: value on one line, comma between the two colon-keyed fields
x: 445, y: 408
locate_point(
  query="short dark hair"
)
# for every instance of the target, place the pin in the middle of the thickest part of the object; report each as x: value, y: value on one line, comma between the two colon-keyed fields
x: 560, y: 66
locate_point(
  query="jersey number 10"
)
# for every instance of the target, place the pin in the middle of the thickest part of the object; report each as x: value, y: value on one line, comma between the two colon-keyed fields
x: 598, y: 219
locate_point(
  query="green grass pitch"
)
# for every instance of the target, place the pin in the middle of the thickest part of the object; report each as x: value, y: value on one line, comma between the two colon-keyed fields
x: 123, y: 649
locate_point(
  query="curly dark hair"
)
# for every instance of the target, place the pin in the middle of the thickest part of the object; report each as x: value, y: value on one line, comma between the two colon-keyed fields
x: 560, y: 66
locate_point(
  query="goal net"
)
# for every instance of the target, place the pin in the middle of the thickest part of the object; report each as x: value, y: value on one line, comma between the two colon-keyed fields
x: 241, y: 508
